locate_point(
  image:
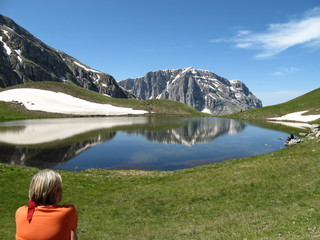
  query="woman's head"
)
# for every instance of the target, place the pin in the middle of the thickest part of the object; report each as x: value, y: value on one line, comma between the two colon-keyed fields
x: 46, y: 187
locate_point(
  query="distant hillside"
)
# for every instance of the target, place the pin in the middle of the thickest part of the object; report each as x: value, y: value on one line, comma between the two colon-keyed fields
x: 201, y: 89
x: 24, y: 58
x: 156, y: 107
x: 309, y: 101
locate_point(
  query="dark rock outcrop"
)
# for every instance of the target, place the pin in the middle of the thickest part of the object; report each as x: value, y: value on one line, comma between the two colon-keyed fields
x: 25, y: 58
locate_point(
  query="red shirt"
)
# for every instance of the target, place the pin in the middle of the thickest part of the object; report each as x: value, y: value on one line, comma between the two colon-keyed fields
x: 52, y: 222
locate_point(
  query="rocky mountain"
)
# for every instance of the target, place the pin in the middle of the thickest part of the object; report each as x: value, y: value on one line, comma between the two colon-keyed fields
x: 25, y: 58
x: 200, y: 89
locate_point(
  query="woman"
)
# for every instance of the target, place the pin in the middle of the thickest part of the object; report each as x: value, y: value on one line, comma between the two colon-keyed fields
x: 43, y: 219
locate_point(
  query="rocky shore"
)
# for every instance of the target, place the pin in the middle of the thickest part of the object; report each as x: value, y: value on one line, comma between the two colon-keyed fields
x: 313, y: 134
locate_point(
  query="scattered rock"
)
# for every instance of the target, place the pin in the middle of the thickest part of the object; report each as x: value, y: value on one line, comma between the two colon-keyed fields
x: 315, y: 128
x: 292, y: 142
x: 313, y: 134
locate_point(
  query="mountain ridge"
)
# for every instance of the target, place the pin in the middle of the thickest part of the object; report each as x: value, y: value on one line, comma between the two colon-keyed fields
x: 25, y: 58
x: 201, y: 89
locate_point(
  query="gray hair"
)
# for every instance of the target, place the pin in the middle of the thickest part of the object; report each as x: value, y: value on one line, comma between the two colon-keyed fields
x: 46, y: 187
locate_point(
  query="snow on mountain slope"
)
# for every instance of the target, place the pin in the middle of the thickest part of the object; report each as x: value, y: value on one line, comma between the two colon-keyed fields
x: 48, y: 101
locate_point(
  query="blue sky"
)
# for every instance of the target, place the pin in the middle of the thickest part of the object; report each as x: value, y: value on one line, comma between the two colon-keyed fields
x: 273, y: 46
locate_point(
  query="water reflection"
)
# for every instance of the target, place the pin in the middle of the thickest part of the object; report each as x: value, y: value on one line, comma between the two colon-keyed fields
x: 197, y: 130
x: 118, y: 142
x: 33, y: 132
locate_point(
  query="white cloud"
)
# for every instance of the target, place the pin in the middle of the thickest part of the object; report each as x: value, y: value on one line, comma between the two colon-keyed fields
x: 285, y: 71
x: 280, y: 36
x: 244, y: 45
x: 243, y: 32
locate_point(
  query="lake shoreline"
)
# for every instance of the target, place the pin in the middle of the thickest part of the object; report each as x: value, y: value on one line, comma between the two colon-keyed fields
x: 149, y: 143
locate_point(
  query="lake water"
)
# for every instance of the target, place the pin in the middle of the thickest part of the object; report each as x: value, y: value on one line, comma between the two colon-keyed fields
x: 132, y: 142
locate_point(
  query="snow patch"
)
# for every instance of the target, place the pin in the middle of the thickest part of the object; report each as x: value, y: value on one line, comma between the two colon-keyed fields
x: 234, y: 81
x: 238, y: 95
x: 48, y: 101
x: 206, y: 110
x: 6, y: 47
x: 96, y: 78
x: 297, y: 117
x: 211, y: 95
x: 6, y: 33
x: 85, y: 68
x: 20, y: 59
x: 18, y: 51
x: 177, y: 77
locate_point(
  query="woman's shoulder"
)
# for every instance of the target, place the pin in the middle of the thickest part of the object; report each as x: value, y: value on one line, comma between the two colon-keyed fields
x: 67, y: 207
x: 70, y: 211
x: 22, y: 209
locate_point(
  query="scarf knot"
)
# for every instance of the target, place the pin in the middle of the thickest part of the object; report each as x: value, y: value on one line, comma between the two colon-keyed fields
x: 31, y: 209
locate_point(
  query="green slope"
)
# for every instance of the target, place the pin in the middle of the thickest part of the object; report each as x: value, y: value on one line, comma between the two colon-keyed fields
x: 158, y: 107
x: 309, y: 101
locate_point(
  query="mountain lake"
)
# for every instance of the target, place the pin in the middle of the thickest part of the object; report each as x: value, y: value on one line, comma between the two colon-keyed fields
x: 132, y: 142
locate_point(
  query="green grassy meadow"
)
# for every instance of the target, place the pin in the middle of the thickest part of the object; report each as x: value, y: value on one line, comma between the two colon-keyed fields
x: 270, y: 196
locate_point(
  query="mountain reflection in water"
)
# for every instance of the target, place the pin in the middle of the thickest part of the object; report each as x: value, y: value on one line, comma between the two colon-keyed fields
x: 122, y: 142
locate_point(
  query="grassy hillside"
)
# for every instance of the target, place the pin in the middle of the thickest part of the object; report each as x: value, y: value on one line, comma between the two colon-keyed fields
x: 156, y: 106
x: 272, y: 196
x: 309, y: 101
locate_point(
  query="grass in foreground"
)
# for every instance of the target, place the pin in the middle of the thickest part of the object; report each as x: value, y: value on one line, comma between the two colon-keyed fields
x: 157, y: 107
x: 271, y: 196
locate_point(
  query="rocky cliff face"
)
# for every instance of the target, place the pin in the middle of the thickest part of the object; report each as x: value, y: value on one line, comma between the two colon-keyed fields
x: 200, y: 89
x: 25, y: 58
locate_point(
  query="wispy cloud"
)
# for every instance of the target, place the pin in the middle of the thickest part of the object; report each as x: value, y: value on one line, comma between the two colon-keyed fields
x: 285, y: 71
x: 278, y: 37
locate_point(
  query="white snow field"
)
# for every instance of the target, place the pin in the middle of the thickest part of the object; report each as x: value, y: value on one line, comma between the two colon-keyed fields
x: 57, y: 102
x: 297, y: 117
